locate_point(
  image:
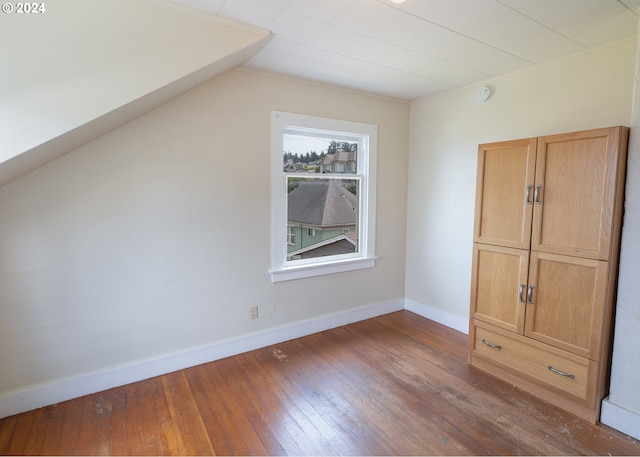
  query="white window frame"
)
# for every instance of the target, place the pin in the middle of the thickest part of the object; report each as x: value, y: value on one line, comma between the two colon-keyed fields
x: 291, y: 235
x: 366, y: 137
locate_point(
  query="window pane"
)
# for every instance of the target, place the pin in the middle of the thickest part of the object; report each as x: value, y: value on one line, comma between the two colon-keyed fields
x: 322, y: 214
x: 310, y: 154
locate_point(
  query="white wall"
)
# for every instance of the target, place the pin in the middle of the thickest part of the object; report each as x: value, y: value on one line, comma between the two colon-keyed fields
x: 621, y: 409
x: 587, y: 91
x: 153, y: 239
x: 591, y: 90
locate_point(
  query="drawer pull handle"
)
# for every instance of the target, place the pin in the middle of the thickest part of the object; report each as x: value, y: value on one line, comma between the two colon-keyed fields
x: 530, y: 295
x: 491, y: 345
x: 521, y: 292
x: 536, y: 195
x: 528, y: 198
x: 566, y: 375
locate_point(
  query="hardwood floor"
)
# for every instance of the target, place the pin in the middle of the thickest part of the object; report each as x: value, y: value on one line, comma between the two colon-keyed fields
x: 394, y: 385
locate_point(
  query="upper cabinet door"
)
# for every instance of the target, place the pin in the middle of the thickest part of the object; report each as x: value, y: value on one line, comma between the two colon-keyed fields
x: 578, y: 190
x: 504, y: 193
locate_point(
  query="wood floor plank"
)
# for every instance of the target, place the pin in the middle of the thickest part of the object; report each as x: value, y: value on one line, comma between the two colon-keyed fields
x: 157, y: 427
x: 72, y: 417
x: 185, y: 414
x: 228, y: 428
x: 396, y: 384
x: 308, y: 436
x: 367, y: 393
x: 18, y: 442
x: 390, y: 402
x: 134, y: 420
x: 83, y: 439
x: 325, y: 392
x: 53, y: 433
x: 118, y: 426
x: 7, y: 428
x: 278, y: 369
x: 208, y: 393
x: 268, y: 418
x: 34, y: 439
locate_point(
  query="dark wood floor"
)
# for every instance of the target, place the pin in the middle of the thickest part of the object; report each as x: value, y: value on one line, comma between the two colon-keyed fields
x: 394, y: 385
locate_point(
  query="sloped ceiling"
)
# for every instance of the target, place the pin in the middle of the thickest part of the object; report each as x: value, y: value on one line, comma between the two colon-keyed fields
x: 423, y: 47
x: 81, y: 68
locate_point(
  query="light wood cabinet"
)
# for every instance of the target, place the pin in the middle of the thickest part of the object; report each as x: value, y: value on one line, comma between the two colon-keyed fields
x: 497, y: 274
x: 565, y: 299
x: 506, y: 174
x: 579, y: 180
x: 545, y: 256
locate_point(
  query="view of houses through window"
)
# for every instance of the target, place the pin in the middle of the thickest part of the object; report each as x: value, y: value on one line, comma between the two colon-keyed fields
x: 322, y: 196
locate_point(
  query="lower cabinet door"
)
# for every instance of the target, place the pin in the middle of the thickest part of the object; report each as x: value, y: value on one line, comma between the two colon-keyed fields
x: 566, y: 302
x: 498, y: 286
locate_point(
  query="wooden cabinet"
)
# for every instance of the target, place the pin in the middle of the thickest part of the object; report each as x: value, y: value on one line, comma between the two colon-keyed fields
x: 565, y: 302
x: 505, y: 180
x: 545, y: 256
x: 496, y: 276
x: 580, y: 180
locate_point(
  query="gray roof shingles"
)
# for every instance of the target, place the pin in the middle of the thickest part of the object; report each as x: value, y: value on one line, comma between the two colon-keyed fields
x: 322, y: 203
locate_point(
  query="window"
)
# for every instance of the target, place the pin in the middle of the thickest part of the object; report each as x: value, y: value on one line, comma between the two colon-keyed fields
x: 291, y: 235
x: 323, y: 189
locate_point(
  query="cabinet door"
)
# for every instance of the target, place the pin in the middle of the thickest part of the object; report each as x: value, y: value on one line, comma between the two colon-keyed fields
x: 498, y: 282
x: 566, y: 299
x: 577, y: 178
x: 504, y: 193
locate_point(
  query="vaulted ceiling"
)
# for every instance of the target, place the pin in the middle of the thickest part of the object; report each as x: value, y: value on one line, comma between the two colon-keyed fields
x: 82, y: 68
x: 422, y: 47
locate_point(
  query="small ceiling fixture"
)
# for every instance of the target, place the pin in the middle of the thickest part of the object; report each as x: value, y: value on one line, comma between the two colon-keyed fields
x: 397, y: 2
x: 483, y: 94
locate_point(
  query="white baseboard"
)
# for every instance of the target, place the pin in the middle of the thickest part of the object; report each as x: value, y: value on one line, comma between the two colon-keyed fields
x: 39, y: 396
x: 453, y: 321
x: 620, y: 418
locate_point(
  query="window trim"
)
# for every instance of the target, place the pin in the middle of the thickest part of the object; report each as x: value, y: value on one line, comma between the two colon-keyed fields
x: 366, y: 136
x: 291, y: 235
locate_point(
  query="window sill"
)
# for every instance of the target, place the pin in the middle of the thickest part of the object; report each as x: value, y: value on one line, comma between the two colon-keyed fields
x: 318, y: 269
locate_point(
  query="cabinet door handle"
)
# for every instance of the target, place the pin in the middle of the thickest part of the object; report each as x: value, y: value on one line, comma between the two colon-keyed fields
x: 561, y: 373
x: 521, y: 292
x: 536, y: 194
x: 530, y: 295
x: 528, y: 198
x: 490, y: 344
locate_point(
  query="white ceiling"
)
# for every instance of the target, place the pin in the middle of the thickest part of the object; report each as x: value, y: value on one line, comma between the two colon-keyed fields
x: 423, y: 47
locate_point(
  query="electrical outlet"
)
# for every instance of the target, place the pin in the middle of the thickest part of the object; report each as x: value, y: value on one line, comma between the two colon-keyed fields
x: 254, y: 312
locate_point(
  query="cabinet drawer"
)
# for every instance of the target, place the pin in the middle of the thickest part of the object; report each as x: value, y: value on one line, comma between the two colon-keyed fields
x: 547, y: 366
